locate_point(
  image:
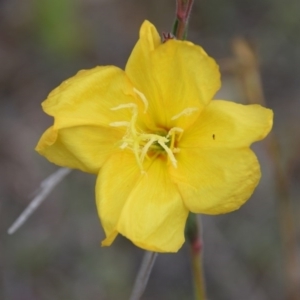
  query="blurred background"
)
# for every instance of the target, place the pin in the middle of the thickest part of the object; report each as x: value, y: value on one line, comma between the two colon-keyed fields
x: 249, y: 254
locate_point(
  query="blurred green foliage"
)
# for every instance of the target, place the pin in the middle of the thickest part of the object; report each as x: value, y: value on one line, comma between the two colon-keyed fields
x: 57, y: 23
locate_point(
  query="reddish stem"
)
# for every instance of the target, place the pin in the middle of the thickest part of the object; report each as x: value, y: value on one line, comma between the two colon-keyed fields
x: 183, y: 11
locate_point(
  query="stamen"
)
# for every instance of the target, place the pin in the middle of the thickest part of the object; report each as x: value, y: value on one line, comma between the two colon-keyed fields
x: 172, y: 133
x: 136, y: 154
x: 186, y: 112
x: 125, y: 123
x: 126, y: 105
x: 143, y: 98
x: 124, y: 145
x: 146, y: 148
x: 169, y: 152
x: 174, y: 130
x: 140, y: 143
x: 119, y: 124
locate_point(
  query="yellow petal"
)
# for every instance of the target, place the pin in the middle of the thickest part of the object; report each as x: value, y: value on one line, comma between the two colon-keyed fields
x: 215, y: 181
x: 114, y: 183
x: 146, y: 208
x: 227, y: 124
x: 88, y: 97
x: 154, y: 215
x: 173, y: 76
x: 82, y: 136
x: 83, y: 147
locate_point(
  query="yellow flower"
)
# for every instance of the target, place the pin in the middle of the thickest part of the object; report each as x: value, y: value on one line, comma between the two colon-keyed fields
x: 159, y: 145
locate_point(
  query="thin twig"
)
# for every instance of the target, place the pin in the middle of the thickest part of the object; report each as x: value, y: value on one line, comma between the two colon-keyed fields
x: 143, y: 275
x: 46, y: 187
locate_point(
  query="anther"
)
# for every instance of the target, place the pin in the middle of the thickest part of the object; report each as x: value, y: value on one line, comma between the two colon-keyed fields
x: 126, y: 105
x: 169, y: 152
x: 186, y: 112
x: 146, y: 148
x: 143, y: 98
x: 120, y: 124
x: 174, y: 130
x: 124, y: 145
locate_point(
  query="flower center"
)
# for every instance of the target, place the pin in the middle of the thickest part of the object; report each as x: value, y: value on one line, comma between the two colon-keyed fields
x: 145, y: 144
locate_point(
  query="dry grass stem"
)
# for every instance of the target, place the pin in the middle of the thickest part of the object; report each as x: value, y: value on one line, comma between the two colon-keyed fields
x: 249, y: 75
x: 46, y: 187
x: 143, y: 275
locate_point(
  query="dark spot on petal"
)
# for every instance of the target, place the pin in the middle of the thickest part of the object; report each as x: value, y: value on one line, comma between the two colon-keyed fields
x: 213, y: 136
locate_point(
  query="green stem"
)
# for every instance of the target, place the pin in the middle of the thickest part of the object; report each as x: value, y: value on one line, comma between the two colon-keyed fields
x: 194, y: 237
x: 197, y: 268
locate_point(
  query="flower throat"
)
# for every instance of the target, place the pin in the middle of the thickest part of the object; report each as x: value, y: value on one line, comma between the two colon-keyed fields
x: 148, y: 145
